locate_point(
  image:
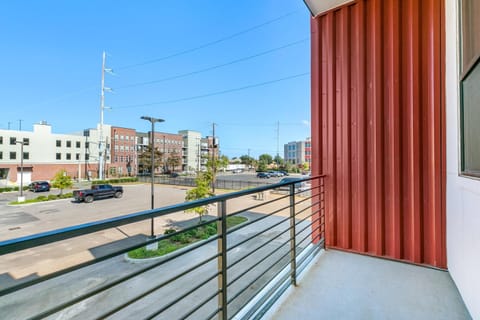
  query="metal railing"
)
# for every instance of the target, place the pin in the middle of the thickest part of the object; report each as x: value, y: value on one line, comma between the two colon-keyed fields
x: 219, y: 183
x: 236, y: 273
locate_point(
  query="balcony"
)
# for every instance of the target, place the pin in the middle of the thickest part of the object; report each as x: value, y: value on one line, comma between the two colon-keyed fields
x: 242, y: 272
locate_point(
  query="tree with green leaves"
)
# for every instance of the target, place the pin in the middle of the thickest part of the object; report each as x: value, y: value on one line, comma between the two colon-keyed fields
x: 201, y: 191
x: 247, y: 160
x: 173, y: 161
x: 62, y: 181
x: 278, y: 160
x: 145, y: 162
x: 265, y: 158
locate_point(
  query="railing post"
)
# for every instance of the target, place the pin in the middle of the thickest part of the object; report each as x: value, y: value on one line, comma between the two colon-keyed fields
x: 293, y: 242
x: 222, y: 259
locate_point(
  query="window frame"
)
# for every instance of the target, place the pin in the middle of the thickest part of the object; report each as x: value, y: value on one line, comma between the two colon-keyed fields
x: 467, y: 68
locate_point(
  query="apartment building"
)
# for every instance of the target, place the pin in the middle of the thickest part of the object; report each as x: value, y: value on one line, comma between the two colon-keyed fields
x: 123, y: 151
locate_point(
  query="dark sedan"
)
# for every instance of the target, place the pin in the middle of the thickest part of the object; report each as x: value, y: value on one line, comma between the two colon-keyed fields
x: 263, y: 175
x: 38, y: 186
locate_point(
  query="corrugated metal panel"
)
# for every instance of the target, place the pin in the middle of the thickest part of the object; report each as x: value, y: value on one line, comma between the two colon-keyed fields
x: 377, y: 127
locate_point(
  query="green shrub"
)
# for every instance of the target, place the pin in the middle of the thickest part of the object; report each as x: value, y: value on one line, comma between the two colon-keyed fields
x: 52, y: 197
x: 42, y: 198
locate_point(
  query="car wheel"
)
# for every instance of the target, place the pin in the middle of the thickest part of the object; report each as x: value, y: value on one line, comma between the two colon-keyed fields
x: 89, y: 199
x: 118, y: 194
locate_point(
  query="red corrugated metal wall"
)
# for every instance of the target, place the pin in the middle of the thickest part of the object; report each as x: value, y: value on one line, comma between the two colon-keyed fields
x: 378, y: 127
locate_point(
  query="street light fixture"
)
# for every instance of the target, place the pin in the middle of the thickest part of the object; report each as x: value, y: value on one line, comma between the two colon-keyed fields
x: 21, y: 199
x: 152, y: 168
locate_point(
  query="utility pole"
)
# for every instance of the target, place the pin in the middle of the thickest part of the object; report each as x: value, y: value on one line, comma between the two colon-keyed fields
x: 278, y: 141
x: 20, y: 124
x: 214, y: 165
x: 102, y: 108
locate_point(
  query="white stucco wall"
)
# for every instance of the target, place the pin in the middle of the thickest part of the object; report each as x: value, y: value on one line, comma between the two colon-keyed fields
x: 463, y: 194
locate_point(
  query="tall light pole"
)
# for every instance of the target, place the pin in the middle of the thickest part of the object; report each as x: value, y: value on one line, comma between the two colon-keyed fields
x: 152, y: 168
x: 21, y: 168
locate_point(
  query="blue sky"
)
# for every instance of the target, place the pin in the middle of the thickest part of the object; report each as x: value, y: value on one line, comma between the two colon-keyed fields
x: 243, y: 65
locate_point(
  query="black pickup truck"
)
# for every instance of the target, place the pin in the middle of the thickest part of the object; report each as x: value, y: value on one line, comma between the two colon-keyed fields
x: 99, y: 191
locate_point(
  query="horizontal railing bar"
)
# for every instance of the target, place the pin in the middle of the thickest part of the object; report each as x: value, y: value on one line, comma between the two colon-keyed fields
x: 283, y: 279
x: 257, y: 205
x: 256, y: 279
x: 200, y: 305
x: 309, y: 225
x: 94, y: 293
x: 259, y: 247
x: 303, y: 200
x: 213, y: 314
x: 156, y: 313
x: 258, y: 233
x: 161, y: 285
x: 259, y: 276
x: 98, y: 260
x: 258, y: 262
x: 305, y: 238
x: 31, y: 241
x: 315, y: 248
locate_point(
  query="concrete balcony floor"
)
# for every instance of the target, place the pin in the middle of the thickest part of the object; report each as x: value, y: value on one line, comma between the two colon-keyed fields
x: 342, y: 285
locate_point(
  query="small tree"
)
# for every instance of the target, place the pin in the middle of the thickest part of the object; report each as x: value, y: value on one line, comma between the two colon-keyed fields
x: 174, y: 161
x: 201, y: 191
x: 62, y: 180
x: 145, y: 159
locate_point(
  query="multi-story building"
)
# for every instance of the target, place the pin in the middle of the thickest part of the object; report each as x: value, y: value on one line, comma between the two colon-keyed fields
x: 45, y: 153
x: 123, y: 152
x: 192, y: 156
x: 298, y: 152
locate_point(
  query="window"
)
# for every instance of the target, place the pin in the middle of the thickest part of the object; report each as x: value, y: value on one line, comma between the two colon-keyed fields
x: 69, y: 144
x: 13, y: 155
x: 1, y: 155
x: 59, y: 143
x: 77, y: 144
x: 470, y: 88
x: 1, y: 140
x: 26, y: 155
x: 87, y: 157
x: 13, y: 140
x: 58, y: 156
x: 77, y: 156
x: 26, y: 141
x: 69, y: 156
x: 87, y: 145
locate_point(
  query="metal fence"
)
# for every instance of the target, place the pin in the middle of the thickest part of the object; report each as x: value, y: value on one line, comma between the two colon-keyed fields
x: 219, y: 183
x: 236, y: 272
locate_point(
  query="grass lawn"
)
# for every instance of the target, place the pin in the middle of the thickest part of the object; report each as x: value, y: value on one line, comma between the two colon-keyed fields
x: 183, y: 239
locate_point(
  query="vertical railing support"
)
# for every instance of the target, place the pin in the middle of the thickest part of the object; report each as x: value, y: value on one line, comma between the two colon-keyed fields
x: 222, y: 259
x: 293, y: 242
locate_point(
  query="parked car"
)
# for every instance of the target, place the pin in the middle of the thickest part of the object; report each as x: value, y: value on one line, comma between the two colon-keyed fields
x: 299, y: 186
x: 98, y: 192
x: 173, y: 175
x: 263, y: 175
x: 237, y: 170
x: 38, y: 186
x: 275, y: 174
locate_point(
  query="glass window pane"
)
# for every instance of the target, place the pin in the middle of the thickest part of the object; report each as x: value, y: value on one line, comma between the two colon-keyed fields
x: 471, y: 121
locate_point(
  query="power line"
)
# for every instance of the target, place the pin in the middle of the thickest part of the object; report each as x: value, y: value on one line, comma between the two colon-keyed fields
x: 208, y: 44
x: 215, y: 93
x: 214, y: 67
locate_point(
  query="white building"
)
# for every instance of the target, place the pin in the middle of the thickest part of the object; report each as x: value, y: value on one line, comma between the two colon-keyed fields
x: 45, y: 153
x: 193, y: 154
